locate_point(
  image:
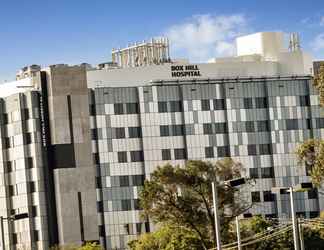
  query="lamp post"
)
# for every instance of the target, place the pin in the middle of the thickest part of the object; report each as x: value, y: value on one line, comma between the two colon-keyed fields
x: 230, y: 183
x: 11, y: 218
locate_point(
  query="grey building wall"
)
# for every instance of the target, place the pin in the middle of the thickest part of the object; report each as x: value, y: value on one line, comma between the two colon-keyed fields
x: 258, y: 122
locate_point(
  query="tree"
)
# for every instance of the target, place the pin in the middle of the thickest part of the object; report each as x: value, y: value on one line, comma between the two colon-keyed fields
x: 319, y: 83
x: 182, y: 197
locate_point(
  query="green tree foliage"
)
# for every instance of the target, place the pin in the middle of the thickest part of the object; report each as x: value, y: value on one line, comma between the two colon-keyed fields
x: 87, y: 246
x: 319, y: 83
x: 182, y: 196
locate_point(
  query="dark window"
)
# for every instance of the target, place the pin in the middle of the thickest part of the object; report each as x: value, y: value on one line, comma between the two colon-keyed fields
x: 220, y: 128
x: 4, y: 119
x: 219, y: 104
x: 268, y: 196
x: 138, y: 228
x: 122, y: 156
x: 164, y: 130
x: 248, y: 103
x: 208, y: 128
x: 96, y: 159
x: 312, y: 194
x: 271, y: 216
x: 263, y: 126
x: 265, y: 149
x: 205, y: 105
x: 120, y: 133
x: 177, y: 130
x: 137, y: 156
x: 267, y: 172
x: 8, y: 167
x: 223, y: 151
x: 28, y: 137
x: 92, y: 110
x: 36, y: 237
x: 138, y: 180
x: 166, y: 154
x: 32, y: 187
x: 255, y: 196
x: 11, y: 190
x: 34, y: 211
x: 162, y: 107
x: 119, y: 108
x: 261, y: 102
x: 132, y: 108
x: 180, y: 153
x: 137, y: 205
x: 123, y: 181
x: 313, y: 214
x: 291, y: 124
x: 126, y: 205
x: 308, y: 123
x: 29, y: 162
x: 175, y: 106
x: 209, y: 152
x: 249, y: 126
x: 135, y: 132
x: 147, y: 227
x: 25, y: 114
x: 304, y: 100
x: 94, y: 134
x: 320, y: 123
x: 7, y: 142
x: 254, y: 173
x: 252, y: 149
x: 98, y: 182
x: 14, y: 239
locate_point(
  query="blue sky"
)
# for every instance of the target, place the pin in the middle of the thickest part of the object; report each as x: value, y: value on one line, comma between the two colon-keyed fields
x: 75, y: 31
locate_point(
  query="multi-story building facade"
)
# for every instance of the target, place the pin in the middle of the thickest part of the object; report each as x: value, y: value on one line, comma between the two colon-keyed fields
x: 77, y: 143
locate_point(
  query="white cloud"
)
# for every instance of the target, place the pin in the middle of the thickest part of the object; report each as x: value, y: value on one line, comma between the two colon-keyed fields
x: 322, y: 21
x: 205, y: 36
x: 318, y: 42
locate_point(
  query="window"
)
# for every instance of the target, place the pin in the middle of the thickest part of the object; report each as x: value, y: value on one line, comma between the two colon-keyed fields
x: 32, y: 187
x: 138, y: 180
x: 180, y: 153
x: 94, y: 134
x: 120, y: 133
x: 304, y: 100
x: 7, y: 142
x: 96, y: 159
x: 137, y: 205
x: 4, y: 119
x: 162, y: 107
x: 28, y: 137
x: 319, y: 122
x: 34, y: 211
x: 119, y: 108
x: 291, y: 124
x: 164, y: 130
x: 14, y: 239
x: 205, y: 105
x: 252, y: 149
x: 123, y: 181
x: 8, y: 166
x: 249, y: 126
x: 29, y: 162
x: 92, y: 110
x: 313, y: 214
x: 138, y: 228
x: 36, y: 237
x: 132, y: 108
x: 223, y: 151
x: 268, y: 196
x: 126, y: 205
x: 267, y: 172
x: 135, y: 132
x: 147, y: 227
x: 261, y: 102
x: 255, y: 196
x: 220, y: 128
x: 265, y: 149
x: 137, y: 156
x: 25, y: 114
x: 122, y: 156
x: 263, y: 126
x: 209, y: 152
x: 166, y: 154
x: 312, y: 194
x: 177, y: 130
x: 254, y: 173
x: 248, y: 103
x: 208, y: 129
x: 219, y: 104
x: 11, y: 190
x: 175, y: 106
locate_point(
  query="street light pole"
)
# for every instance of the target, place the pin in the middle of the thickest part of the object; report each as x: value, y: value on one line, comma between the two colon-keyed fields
x: 239, y: 247
x: 2, y: 233
x: 293, y: 218
x: 217, y: 225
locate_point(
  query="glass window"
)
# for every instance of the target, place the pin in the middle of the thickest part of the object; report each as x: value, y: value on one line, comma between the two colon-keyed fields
x: 28, y: 137
x: 120, y: 133
x: 180, y: 153
x: 135, y: 132
x: 29, y: 162
x: 207, y: 128
x: 94, y: 134
x: 219, y: 104
x: 268, y: 196
x: 7, y: 142
x: 166, y: 154
x: 4, y: 119
x: 164, y: 130
x: 261, y: 102
x: 254, y: 173
x: 138, y: 180
x: 162, y: 107
x: 122, y: 156
x: 313, y: 214
x: 291, y: 124
x: 209, y: 152
x: 265, y: 149
x: 248, y: 103
x: 126, y: 205
x: 252, y: 150
x: 312, y: 194
x: 118, y: 108
x: 32, y: 187
x: 205, y: 105
x: 320, y: 123
x: 138, y: 228
x: 255, y: 196
x: 175, y: 106
x: 223, y: 151
x: 267, y: 172
x: 308, y: 123
x: 132, y: 108
x: 249, y: 126
x: 8, y: 166
x: 25, y: 114
x: 263, y: 126
x: 137, y: 205
x: 220, y: 128
x: 124, y: 181
x: 177, y: 130
x: 137, y: 156
x: 304, y: 100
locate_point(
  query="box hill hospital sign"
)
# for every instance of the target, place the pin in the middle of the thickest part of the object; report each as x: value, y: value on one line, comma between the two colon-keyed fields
x: 185, y: 71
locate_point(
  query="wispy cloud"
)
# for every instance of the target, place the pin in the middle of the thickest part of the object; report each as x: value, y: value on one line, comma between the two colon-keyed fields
x: 318, y: 42
x: 322, y: 21
x: 205, y: 36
